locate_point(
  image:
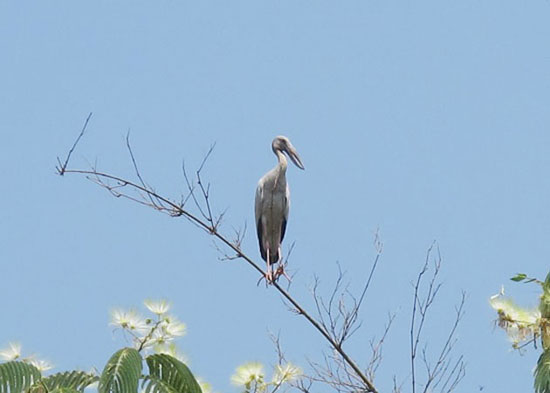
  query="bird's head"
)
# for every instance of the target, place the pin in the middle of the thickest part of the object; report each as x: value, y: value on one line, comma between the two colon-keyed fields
x: 282, y: 143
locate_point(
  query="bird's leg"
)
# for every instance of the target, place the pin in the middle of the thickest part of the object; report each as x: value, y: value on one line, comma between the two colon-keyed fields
x: 268, y: 273
x: 281, y: 270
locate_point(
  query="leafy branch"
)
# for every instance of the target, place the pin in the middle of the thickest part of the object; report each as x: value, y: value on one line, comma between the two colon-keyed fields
x: 123, y: 371
x: 526, y: 326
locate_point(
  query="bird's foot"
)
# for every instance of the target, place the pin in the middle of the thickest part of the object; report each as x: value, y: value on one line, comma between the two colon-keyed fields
x: 281, y: 272
x: 268, y: 277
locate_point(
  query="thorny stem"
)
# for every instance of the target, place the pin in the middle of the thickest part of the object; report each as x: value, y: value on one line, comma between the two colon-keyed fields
x: 177, y: 210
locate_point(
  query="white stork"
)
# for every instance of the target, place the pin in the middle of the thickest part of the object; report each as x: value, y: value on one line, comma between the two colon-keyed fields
x: 272, y: 204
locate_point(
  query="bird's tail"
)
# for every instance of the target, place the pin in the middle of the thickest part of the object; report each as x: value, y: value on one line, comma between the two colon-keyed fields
x: 274, y: 255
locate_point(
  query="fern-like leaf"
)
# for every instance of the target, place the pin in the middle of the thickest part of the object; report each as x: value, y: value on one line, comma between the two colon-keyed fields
x: 122, y: 372
x: 64, y: 390
x: 74, y: 380
x: 17, y: 377
x: 545, y: 298
x: 542, y: 373
x: 168, y: 375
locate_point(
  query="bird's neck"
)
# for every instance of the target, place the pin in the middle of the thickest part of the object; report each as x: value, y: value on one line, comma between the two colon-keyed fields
x: 283, y: 163
x: 280, y: 169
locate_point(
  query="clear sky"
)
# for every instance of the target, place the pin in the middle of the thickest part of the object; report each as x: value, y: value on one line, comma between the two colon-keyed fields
x: 428, y: 120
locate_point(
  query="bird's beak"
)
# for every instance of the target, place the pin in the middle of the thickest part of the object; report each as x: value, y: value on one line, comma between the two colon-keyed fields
x: 293, y: 154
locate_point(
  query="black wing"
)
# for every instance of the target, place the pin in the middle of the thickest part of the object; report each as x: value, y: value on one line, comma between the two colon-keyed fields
x: 283, y: 229
x: 260, y: 237
x: 285, y: 218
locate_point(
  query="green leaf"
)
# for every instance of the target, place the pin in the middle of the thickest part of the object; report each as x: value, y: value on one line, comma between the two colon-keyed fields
x: 16, y: 377
x: 168, y: 375
x: 122, y: 372
x: 73, y: 380
x: 542, y: 373
x: 64, y: 390
x: 544, y: 308
x: 519, y: 277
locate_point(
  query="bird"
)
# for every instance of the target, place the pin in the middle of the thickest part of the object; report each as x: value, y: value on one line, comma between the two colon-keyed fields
x: 272, y: 204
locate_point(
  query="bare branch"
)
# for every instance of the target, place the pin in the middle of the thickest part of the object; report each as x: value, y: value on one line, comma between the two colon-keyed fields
x: 338, y: 315
x: 62, y: 167
x: 191, y: 188
x: 136, y: 169
x: 378, y: 245
x: 441, y: 374
x: 376, y: 349
x: 149, y: 197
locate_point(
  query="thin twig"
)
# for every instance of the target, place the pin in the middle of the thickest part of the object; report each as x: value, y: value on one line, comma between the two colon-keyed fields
x: 62, y: 167
x: 442, y: 371
x: 136, y: 169
x: 376, y: 349
x: 378, y: 246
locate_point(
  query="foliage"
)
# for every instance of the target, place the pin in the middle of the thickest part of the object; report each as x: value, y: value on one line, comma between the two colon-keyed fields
x: 153, y: 342
x: 542, y: 373
x: 168, y: 375
x: 156, y: 333
x: 13, y: 352
x: 123, y: 371
x: 525, y: 326
x: 544, y: 308
x: 17, y: 376
x: 73, y: 380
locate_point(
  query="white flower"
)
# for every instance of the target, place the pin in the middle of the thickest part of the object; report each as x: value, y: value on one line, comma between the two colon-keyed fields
x: 41, y: 365
x: 129, y: 320
x: 120, y: 318
x: 13, y: 352
x: 174, y: 328
x: 521, y: 324
x: 247, y: 373
x: 285, y: 373
x: 512, y: 312
x: 160, y: 337
x: 161, y: 307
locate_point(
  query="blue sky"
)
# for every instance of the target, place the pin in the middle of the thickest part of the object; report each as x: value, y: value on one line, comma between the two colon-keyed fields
x: 427, y: 120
